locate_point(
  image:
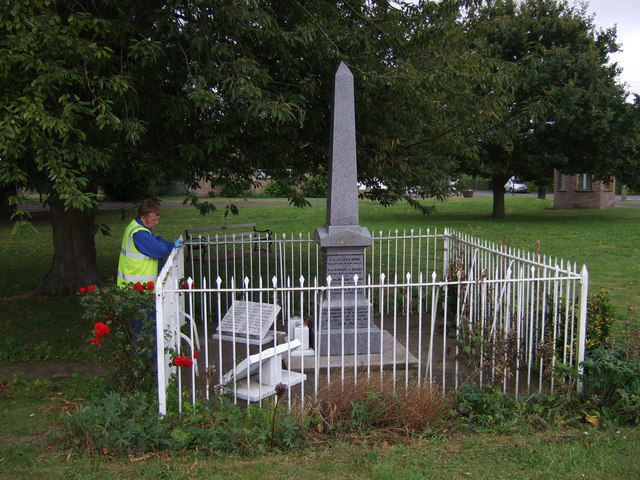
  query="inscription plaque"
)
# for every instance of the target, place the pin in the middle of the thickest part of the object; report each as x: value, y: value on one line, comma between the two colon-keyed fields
x: 254, y: 319
x: 343, y: 265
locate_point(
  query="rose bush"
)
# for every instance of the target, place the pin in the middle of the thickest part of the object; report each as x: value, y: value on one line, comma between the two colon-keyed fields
x: 123, y: 324
x: 184, y: 361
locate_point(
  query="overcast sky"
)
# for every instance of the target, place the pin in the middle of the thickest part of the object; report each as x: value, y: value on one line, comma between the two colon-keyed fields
x: 626, y: 15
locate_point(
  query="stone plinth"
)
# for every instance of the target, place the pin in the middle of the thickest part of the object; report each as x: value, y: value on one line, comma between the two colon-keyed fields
x: 345, y: 325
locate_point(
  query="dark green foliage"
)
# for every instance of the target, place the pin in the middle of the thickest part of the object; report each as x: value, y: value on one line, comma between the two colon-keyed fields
x: 611, y: 385
x: 567, y: 110
x: 610, y: 396
x: 600, y: 319
x: 485, y: 406
x: 220, y: 426
x: 316, y: 186
x: 370, y: 412
x: 124, y: 183
x: 237, y: 189
x: 490, y: 408
x: 130, y: 424
x: 10, y: 349
x: 279, y: 189
x: 118, y: 424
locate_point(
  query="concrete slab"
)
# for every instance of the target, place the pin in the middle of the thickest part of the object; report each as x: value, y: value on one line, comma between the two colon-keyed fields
x: 393, y: 353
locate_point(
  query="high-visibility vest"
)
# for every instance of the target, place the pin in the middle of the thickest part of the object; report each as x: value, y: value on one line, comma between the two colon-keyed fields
x: 134, y: 266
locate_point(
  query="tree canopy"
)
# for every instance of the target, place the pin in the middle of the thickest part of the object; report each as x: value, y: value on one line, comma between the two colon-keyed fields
x: 112, y: 93
x: 567, y: 108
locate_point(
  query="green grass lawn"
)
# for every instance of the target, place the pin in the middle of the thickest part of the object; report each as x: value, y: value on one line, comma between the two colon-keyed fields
x: 606, y: 241
x: 31, y: 421
x: 50, y: 328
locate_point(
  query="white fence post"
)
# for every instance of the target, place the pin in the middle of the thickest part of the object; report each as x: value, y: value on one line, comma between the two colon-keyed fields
x: 166, y: 313
x: 162, y: 387
x: 582, y: 320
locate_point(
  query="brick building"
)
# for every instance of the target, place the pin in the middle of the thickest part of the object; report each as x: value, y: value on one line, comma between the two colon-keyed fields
x: 582, y: 191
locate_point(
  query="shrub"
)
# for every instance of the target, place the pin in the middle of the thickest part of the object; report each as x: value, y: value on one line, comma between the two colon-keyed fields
x: 279, y: 189
x: 600, y: 318
x: 124, y: 182
x: 611, y: 385
x: 485, y: 406
x: 129, y: 424
x: 123, y: 324
x: 489, y: 407
x: 235, y: 188
x: 377, y: 404
x: 10, y: 349
x: 118, y: 424
x: 316, y: 186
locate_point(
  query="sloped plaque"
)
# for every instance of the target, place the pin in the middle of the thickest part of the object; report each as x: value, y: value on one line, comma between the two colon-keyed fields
x: 248, y: 322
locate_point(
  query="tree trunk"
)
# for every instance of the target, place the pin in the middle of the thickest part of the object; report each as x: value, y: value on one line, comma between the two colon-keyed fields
x: 6, y: 210
x: 498, y: 182
x: 74, y: 252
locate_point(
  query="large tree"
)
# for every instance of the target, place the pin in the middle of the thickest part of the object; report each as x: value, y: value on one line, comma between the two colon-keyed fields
x: 422, y: 112
x: 567, y: 105
x: 58, y: 85
x: 95, y: 90
x: 151, y: 88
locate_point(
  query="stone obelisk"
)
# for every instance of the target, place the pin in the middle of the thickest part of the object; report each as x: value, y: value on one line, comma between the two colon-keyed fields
x: 346, y: 327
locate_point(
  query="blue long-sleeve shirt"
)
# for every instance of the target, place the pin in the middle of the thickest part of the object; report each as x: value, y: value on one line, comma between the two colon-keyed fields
x: 153, y: 246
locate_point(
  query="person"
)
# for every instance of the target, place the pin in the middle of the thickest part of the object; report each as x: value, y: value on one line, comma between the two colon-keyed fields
x: 141, y: 249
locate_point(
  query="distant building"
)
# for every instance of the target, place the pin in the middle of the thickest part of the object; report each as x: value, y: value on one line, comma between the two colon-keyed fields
x: 582, y: 191
x: 258, y: 186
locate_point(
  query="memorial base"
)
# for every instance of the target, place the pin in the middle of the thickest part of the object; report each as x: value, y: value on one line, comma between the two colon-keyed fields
x: 393, y: 354
x: 349, y: 341
x: 307, y: 352
x: 347, y: 327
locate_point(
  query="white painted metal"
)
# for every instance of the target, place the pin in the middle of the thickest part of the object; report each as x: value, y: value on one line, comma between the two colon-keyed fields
x: 452, y: 309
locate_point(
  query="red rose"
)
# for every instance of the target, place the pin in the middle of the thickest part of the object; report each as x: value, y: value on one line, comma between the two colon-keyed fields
x: 95, y: 341
x: 196, y: 353
x: 90, y: 288
x: 111, y: 319
x: 101, y: 329
x: 137, y: 287
x: 82, y: 289
x: 185, y: 285
x: 182, y: 361
x: 150, y: 286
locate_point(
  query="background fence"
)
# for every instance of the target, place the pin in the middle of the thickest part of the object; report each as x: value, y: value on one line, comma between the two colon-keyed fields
x: 443, y: 308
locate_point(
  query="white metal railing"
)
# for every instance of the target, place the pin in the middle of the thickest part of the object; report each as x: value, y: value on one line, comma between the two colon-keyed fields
x: 450, y: 308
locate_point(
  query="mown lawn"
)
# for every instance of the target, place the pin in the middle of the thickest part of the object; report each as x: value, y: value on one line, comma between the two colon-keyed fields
x: 35, y: 328
x: 606, y: 241
x: 31, y: 424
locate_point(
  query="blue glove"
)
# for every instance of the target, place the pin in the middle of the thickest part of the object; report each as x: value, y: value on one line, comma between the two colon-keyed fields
x: 178, y: 243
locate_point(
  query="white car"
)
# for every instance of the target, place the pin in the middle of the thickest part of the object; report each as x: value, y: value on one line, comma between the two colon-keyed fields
x: 515, y: 185
x: 378, y: 184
